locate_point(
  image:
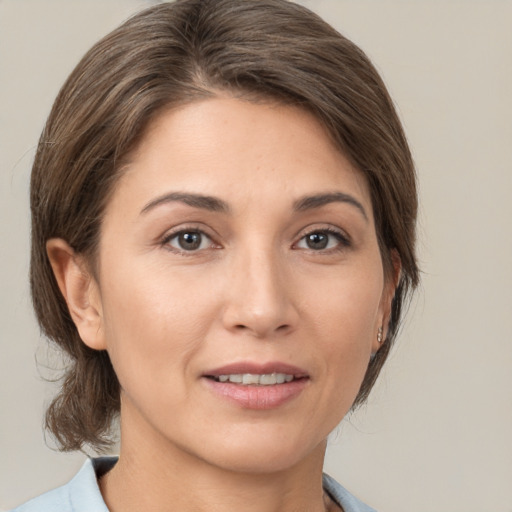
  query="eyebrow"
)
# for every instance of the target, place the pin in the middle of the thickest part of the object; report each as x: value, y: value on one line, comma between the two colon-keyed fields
x: 215, y: 204
x: 319, y: 200
x: 195, y: 200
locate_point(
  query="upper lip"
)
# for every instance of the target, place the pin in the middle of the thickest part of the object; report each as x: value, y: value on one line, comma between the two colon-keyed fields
x: 257, y: 369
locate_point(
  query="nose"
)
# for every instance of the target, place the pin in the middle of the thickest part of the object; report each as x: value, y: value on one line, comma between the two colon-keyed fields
x: 260, y: 297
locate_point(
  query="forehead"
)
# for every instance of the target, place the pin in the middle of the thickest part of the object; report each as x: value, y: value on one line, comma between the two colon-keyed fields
x: 239, y: 150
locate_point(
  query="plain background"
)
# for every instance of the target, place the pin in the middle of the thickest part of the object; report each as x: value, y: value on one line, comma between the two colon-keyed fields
x: 436, y: 433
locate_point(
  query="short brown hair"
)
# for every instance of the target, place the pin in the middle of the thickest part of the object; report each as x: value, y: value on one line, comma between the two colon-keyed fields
x: 173, y: 54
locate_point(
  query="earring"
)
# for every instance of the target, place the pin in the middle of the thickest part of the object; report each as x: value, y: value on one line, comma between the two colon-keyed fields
x: 379, y: 335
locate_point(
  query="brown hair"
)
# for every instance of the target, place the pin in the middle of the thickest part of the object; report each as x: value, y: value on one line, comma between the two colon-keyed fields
x: 173, y: 54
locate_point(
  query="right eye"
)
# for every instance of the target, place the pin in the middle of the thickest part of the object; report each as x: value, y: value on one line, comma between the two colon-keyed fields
x: 326, y: 240
x: 188, y: 241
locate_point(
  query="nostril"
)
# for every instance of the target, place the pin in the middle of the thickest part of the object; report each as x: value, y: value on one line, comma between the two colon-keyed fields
x: 281, y: 328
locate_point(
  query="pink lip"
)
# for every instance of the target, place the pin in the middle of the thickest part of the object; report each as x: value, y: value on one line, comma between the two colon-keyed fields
x: 257, y: 368
x: 257, y: 397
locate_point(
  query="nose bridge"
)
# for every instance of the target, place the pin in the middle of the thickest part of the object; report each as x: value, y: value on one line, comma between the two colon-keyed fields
x: 259, y: 299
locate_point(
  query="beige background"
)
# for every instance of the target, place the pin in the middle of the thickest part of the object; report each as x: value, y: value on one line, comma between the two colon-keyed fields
x: 436, y: 434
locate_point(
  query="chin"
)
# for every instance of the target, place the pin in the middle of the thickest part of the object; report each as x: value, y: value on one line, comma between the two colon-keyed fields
x: 263, y: 453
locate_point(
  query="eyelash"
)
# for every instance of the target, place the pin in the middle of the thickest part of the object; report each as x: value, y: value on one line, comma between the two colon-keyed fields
x: 343, y: 241
x: 166, y: 240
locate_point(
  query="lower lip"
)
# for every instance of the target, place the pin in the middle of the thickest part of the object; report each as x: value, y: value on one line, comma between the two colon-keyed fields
x: 257, y: 397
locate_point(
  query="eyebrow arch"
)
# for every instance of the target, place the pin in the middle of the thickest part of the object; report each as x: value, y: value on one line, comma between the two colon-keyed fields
x: 195, y: 200
x: 319, y: 200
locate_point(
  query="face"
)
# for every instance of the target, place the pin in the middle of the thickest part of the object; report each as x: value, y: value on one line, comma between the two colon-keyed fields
x: 239, y: 251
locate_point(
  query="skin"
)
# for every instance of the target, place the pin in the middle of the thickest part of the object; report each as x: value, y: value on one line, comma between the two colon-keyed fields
x: 254, y: 290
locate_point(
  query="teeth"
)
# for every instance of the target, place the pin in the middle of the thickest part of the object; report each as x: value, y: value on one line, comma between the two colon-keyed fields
x: 266, y: 379
x: 248, y: 378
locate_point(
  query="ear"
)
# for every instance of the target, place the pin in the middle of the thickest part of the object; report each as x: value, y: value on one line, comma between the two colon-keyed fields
x: 388, y: 293
x: 80, y: 291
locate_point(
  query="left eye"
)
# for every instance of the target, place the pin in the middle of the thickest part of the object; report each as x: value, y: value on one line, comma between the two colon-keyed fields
x: 321, y: 240
x: 189, y: 241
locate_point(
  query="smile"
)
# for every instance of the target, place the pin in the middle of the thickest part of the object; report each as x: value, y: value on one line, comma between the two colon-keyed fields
x: 257, y: 386
x: 251, y: 379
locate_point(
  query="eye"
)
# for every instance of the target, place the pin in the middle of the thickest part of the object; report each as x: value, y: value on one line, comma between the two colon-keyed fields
x: 321, y: 240
x: 188, y: 240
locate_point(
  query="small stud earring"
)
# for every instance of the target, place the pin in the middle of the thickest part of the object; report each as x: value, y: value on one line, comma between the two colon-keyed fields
x: 379, y: 335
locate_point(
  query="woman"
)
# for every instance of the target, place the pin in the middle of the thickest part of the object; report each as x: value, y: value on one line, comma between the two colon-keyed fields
x: 223, y: 206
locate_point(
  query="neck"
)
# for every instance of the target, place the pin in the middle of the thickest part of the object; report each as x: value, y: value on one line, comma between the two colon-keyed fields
x: 154, y: 474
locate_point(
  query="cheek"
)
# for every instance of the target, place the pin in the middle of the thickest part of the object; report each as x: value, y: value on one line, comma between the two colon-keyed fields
x: 345, y: 313
x: 348, y: 304
x: 152, y: 324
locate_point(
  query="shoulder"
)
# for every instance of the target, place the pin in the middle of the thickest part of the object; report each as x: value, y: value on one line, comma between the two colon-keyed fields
x: 347, y: 501
x: 81, y: 494
x: 57, y: 499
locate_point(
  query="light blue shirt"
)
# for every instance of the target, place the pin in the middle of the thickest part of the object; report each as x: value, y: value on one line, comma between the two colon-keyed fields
x: 82, y: 493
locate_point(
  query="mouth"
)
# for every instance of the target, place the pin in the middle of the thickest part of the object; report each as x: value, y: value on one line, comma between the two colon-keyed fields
x: 254, y: 379
x: 255, y: 374
x: 257, y: 386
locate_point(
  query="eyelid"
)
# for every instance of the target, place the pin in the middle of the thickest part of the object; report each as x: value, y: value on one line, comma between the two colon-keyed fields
x: 344, y: 239
x: 341, y: 235
x: 176, y: 231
